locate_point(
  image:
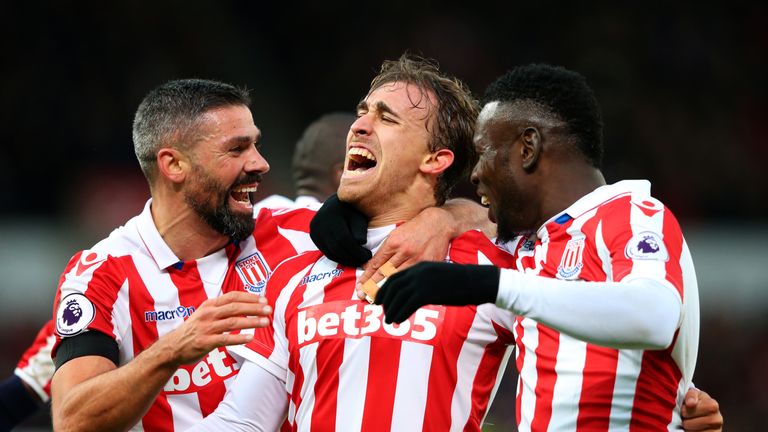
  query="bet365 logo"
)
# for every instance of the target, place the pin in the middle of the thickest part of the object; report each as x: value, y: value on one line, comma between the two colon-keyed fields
x: 355, y: 319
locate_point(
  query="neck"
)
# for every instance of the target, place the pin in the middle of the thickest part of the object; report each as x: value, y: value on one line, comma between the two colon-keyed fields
x: 188, y: 236
x: 565, y: 187
x: 406, y: 207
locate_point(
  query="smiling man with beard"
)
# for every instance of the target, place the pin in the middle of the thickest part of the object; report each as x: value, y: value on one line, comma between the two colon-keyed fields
x: 155, y: 297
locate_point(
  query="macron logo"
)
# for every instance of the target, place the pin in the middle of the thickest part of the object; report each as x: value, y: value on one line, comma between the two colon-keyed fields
x: 171, y: 314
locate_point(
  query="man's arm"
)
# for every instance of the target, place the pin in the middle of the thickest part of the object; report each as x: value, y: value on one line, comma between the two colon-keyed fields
x: 643, y: 313
x: 257, y: 401
x: 92, y: 393
x: 427, y: 236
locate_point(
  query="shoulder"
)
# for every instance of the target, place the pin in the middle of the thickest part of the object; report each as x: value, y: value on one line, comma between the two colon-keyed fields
x: 473, y: 247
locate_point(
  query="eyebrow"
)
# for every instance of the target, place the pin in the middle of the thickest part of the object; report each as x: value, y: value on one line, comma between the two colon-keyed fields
x: 244, y: 139
x: 380, y: 107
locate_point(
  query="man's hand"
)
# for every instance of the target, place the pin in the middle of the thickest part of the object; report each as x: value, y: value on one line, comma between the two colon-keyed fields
x: 340, y: 231
x: 437, y: 283
x: 423, y: 238
x: 701, y: 412
x: 212, y: 323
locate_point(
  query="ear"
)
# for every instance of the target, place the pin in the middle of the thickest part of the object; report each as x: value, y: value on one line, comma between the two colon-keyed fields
x: 530, y: 150
x: 172, y: 164
x: 436, y: 162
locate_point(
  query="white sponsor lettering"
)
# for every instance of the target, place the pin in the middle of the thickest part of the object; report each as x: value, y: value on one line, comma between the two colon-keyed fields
x: 361, y: 319
x: 199, y: 375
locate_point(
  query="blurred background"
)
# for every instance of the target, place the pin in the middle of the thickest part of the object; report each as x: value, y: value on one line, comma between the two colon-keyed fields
x: 682, y: 87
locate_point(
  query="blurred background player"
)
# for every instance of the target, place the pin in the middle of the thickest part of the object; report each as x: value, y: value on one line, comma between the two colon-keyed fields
x: 29, y: 388
x: 318, y: 162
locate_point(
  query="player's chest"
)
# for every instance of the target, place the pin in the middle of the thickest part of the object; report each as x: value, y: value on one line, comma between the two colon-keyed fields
x: 326, y: 311
x: 560, y: 254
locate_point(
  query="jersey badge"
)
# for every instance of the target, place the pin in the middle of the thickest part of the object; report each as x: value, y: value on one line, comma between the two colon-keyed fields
x: 75, y: 313
x: 646, y: 245
x: 570, y: 263
x: 254, y: 272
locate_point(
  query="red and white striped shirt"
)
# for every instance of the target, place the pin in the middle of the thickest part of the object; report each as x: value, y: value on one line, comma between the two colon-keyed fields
x: 616, y: 233
x: 346, y: 369
x: 35, y: 366
x: 132, y: 287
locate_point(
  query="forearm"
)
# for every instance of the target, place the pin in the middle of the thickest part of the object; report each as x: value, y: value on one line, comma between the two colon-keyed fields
x: 256, y: 402
x: 641, y: 314
x: 112, y: 400
x: 469, y: 215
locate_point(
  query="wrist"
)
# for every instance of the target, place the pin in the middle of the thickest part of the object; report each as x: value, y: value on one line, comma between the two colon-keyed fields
x: 442, y: 219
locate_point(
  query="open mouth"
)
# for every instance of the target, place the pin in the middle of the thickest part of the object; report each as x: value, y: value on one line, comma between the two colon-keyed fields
x: 242, y: 194
x: 359, y: 161
x: 485, y: 201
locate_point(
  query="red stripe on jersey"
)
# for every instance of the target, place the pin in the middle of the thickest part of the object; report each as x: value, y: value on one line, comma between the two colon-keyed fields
x: 598, y: 379
x: 485, y: 379
x: 615, y: 217
x: 546, y: 359
x: 382, y: 382
x: 109, y: 278
x: 673, y: 240
x: 656, y: 391
x: 41, y: 340
x: 443, y: 370
x: 330, y: 354
x: 159, y: 416
x: 519, y: 362
x: 268, y: 237
x: 192, y: 293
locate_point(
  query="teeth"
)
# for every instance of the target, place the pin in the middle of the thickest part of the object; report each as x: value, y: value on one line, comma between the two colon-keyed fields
x: 485, y: 201
x: 247, y: 189
x: 361, y: 152
x: 356, y: 172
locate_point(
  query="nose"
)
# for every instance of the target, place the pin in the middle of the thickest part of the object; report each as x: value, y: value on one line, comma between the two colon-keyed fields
x: 256, y: 164
x: 362, y: 126
x: 474, y: 177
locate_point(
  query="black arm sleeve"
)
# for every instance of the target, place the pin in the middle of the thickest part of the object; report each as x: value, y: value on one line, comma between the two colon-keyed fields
x: 85, y: 344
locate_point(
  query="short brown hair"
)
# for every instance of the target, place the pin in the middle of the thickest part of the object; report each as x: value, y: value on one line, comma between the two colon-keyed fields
x: 455, y: 116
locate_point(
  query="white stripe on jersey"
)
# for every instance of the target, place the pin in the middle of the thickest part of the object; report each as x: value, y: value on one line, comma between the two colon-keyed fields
x: 353, y: 379
x: 412, y: 385
x: 300, y: 239
x: 530, y: 342
x: 121, y: 319
x: 571, y: 358
x: 468, y: 362
x: 307, y: 356
x: 624, y: 389
x: 184, y: 417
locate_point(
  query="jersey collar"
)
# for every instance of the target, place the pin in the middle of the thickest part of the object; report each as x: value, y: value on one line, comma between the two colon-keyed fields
x: 157, y: 247
x: 597, y: 197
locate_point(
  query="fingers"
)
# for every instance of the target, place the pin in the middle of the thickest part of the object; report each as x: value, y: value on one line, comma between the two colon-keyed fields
x: 237, y: 323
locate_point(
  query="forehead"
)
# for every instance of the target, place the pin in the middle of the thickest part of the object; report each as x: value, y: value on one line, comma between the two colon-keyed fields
x: 227, y: 122
x: 405, y: 99
x: 495, y: 122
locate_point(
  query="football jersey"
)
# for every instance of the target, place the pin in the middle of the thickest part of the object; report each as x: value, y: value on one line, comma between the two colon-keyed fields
x: 35, y: 366
x: 346, y: 369
x: 132, y: 287
x: 616, y: 233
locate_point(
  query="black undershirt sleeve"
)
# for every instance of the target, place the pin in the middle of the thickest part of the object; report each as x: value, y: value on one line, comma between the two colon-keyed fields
x: 86, y: 344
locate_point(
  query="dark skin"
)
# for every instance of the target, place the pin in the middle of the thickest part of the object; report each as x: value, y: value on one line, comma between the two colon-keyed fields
x: 528, y: 171
x: 532, y: 176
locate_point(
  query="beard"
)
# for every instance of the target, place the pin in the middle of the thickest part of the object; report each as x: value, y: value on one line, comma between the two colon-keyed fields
x: 210, y: 200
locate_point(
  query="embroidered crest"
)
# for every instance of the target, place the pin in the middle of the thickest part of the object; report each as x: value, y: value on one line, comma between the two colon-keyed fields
x: 646, y: 245
x: 254, y: 272
x: 570, y: 263
x: 75, y: 313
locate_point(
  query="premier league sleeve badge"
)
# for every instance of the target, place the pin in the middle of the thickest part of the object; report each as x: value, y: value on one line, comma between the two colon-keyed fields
x: 74, y: 315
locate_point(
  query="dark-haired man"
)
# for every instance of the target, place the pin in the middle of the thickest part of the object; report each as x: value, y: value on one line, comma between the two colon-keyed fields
x: 603, y: 283
x: 141, y: 317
